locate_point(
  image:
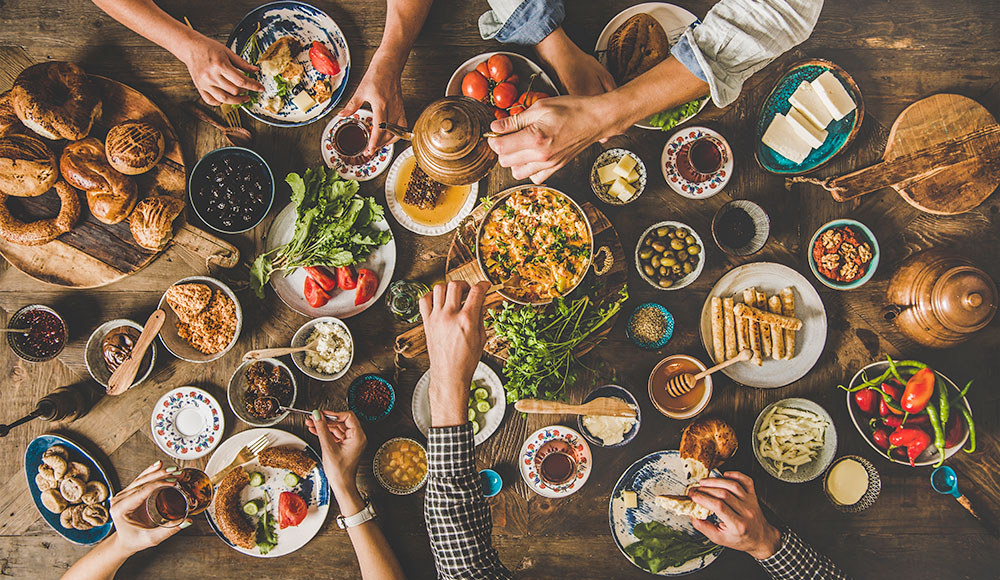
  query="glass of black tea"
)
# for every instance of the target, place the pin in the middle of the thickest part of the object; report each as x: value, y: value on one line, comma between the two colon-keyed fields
x: 350, y: 138
x: 190, y: 495
x: 556, y: 463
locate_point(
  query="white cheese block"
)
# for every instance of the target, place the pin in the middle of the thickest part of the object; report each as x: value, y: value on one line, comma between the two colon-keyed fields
x: 633, y: 176
x: 804, y: 127
x: 625, y: 165
x: 782, y: 138
x: 834, y: 95
x: 631, y: 499
x: 622, y: 190
x: 809, y: 104
x: 303, y: 101
x: 607, y: 173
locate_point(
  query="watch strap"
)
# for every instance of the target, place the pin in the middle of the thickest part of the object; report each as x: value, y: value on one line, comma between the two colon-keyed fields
x: 367, y: 513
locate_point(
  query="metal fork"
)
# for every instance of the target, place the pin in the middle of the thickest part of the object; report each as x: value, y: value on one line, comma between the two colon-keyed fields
x: 247, y: 454
x: 232, y: 116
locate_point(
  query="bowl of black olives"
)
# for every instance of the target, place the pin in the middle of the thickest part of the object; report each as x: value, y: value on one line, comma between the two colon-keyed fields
x: 231, y: 189
x: 670, y: 255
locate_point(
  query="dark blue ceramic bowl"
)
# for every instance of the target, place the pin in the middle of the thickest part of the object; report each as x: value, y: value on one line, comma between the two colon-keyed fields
x: 355, y: 390
x: 198, y: 184
x: 618, y: 393
x: 33, y: 458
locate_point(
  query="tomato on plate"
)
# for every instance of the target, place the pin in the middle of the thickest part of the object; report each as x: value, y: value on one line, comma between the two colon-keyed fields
x: 482, y: 69
x: 504, y: 95
x: 500, y: 113
x: 346, y: 278
x: 367, y: 285
x: 323, y: 60
x: 531, y: 97
x: 475, y: 86
x: 500, y: 68
x: 292, y: 509
x: 315, y: 295
x: 322, y: 276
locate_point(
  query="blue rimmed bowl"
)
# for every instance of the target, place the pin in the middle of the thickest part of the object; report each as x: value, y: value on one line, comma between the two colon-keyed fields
x: 357, y: 387
x: 201, y: 177
x: 663, y: 339
x: 618, y: 393
x: 864, y: 233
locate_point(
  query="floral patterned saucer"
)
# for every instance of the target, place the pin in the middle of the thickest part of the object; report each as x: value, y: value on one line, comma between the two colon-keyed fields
x: 711, y: 184
x: 363, y: 172
x: 568, y: 439
x: 187, y: 423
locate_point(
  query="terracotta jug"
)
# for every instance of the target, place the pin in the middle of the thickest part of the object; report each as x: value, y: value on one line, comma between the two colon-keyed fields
x: 449, y: 140
x: 940, y: 299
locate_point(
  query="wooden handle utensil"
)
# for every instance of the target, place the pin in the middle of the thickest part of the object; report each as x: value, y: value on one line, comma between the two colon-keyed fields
x: 683, y: 383
x: 604, y: 406
x: 121, y: 380
x: 276, y: 352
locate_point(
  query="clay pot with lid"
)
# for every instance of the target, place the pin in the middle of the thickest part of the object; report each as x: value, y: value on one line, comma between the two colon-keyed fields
x: 940, y: 299
x: 449, y: 140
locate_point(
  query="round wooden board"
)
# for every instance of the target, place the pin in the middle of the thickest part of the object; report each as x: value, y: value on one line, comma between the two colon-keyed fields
x: 94, y: 253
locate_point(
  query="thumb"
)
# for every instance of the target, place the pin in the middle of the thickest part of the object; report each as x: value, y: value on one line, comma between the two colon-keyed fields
x: 708, y: 528
x: 514, y: 123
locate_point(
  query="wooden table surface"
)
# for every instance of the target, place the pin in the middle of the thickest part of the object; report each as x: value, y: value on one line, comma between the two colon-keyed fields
x: 897, y: 51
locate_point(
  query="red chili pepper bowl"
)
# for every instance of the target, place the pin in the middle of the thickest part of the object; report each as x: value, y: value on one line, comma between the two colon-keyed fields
x: 371, y: 398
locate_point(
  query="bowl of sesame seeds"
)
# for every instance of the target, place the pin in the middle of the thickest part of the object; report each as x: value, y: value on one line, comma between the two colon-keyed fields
x: 650, y: 326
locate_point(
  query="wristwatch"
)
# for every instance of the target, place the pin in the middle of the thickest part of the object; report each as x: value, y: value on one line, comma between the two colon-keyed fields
x: 367, y: 513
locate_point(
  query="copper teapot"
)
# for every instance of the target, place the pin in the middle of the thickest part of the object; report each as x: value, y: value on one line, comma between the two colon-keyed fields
x: 449, y: 140
x: 939, y: 299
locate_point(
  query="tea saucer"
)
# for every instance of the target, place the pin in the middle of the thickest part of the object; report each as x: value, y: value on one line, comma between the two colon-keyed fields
x: 396, y: 208
x: 187, y: 423
x: 692, y: 190
x: 581, y: 452
x: 363, y: 172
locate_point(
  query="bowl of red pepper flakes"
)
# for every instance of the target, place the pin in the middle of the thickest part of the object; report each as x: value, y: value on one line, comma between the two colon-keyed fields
x: 371, y: 397
x: 45, y: 335
x: 843, y: 254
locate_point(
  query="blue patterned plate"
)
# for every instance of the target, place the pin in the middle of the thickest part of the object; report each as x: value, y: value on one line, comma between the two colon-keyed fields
x: 187, y: 423
x: 840, y: 133
x: 33, y: 458
x: 659, y: 473
x: 305, y: 23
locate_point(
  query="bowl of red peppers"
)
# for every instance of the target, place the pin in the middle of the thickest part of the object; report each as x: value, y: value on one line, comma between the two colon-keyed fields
x: 910, y: 413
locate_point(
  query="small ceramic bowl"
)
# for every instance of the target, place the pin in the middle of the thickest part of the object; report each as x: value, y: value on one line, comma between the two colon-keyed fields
x: 761, y: 225
x: 871, y: 494
x: 179, y: 347
x: 818, y: 465
x: 618, y: 393
x: 491, y: 482
x: 200, y: 173
x: 358, y: 387
x: 94, y: 356
x: 300, y: 338
x: 524, y: 68
x: 380, y: 459
x: 866, y: 235
x: 694, y: 410
x: 681, y: 282
x: 612, y: 156
x: 237, y: 390
x: 15, y: 340
x: 662, y: 340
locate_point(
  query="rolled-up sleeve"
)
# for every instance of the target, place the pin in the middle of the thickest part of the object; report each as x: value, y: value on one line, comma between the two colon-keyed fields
x: 740, y: 37
x: 525, y: 22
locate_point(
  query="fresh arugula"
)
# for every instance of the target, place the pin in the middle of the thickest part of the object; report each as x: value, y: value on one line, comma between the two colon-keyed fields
x: 667, y: 120
x: 334, y: 227
x: 660, y: 547
x: 251, y: 53
x: 266, y: 536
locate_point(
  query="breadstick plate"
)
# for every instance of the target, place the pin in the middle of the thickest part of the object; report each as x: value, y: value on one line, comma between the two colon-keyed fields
x: 771, y: 278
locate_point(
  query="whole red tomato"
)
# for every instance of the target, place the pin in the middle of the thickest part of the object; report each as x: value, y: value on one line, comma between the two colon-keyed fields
x: 504, y: 95
x: 482, y: 69
x: 516, y: 109
x: 514, y: 79
x: 500, y: 68
x: 500, y: 113
x: 475, y: 86
x: 531, y: 97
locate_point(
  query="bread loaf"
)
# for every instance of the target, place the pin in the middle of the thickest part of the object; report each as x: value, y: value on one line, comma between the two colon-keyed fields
x: 9, y: 123
x: 56, y: 100
x: 111, y: 196
x: 636, y: 46
x: 133, y: 147
x: 152, y: 221
x: 27, y: 166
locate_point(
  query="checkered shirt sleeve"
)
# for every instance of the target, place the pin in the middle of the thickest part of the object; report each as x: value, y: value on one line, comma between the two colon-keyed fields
x: 458, y: 517
x: 797, y: 560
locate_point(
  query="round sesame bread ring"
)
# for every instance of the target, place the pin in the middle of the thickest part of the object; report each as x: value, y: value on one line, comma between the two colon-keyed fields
x: 42, y: 231
x: 56, y: 100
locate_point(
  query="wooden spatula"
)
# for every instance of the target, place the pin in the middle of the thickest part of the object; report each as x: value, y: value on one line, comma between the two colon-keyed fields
x: 121, y: 380
x: 279, y: 351
x: 684, y: 382
x: 604, y: 406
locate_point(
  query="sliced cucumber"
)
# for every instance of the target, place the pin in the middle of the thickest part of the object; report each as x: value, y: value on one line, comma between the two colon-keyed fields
x: 291, y: 480
x: 256, y: 479
x: 482, y: 394
x: 472, y: 414
x: 482, y: 406
x: 253, y: 507
x: 475, y: 427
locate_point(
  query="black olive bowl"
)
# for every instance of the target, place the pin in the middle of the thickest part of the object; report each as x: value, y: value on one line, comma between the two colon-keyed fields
x: 226, y: 201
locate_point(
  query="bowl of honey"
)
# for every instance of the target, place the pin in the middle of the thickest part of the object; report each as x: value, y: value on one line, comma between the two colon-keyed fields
x: 690, y: 403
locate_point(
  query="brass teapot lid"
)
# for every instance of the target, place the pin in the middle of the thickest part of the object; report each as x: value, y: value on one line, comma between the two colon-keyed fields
x: 964, y: 299
x: 448, y: 141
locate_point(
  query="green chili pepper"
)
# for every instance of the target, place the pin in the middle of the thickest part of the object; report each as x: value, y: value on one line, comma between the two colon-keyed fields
x: 961, y: 394
x: 881, y: 379
x: 945, y: 406
x: 932, y: 414
x: 911, y: 363
x: 972, y: 428
x: 893, y: 370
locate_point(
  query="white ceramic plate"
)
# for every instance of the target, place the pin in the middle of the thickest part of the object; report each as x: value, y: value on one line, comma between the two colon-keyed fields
x: 341, y: 304
x: 581, y: 451
x: 771, y: 278
x: 674, y: 20
x: 690, y: 189
x: 363, y: 172
x: 523, y: 67
x: 483, y: 377
x: 314, y: 489
x: 659, y: 473
x: 391, y: 187
x: 187, y: 423
x: 822, y: 460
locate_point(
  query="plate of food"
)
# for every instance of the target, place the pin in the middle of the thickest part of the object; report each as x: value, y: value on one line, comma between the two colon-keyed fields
x: 506, y: 80
x: 302, y: 57
x: 777, y: 299
x: 330, y: 251
x: 273, y: 505
x: 203, y: 319
x: 814, y: 111
x: 843, y: 254
x: 487, y: 403
x: 661, y: 25
x: 555, y: 461
x: 423, y: 205
x: 69, y: 488
x: 187, y: 423
x: 794, y: 440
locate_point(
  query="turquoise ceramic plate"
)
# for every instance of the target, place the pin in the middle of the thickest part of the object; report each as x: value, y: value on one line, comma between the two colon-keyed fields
x: 865, y: 234
x: 841, y: 132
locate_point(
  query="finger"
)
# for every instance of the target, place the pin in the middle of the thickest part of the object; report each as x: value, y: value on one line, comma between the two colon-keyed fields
x: 711, y: 531
x: 734, y: 502
x: 745, y: 480
x: 518, y: 157
x: 222, y: 97
x: 426, y: 303
x: 234, y: 76
x: 158, y: 535
x: 208, y: 98
x: 511, y: 124
x: 243, y: 65
x: 716, y: 505
x: 137, y: 497
x: 527, y: 170
x: 343, y: 417
x: 146, y: 477
x: 731, y: 485
x: 453, y: 295
x: 153, y: 467
x: 474, y: 301
x: 352, y: 106
x: 439, y: 295
x: 227, y: 86
x: 540, y: 177
x: 378, y: 134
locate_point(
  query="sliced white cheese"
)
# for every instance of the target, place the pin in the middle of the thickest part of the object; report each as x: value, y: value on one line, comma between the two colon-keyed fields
x: 625, y: 165
x: 809, y: 104
x: 834, y: 95
x: 633, y: 176
x: 622, y: 190
x: 782, y: 138
x: 804, y: 127
x: 631, y: 499
x: 607, y: 173
x: 303, y: 101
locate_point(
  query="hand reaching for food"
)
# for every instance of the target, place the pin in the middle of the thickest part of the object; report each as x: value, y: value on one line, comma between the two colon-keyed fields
x: 380, y: 88
x: 341, y: 440
x: 217, y: 72
x: 742, y: 525
x: 579, y: 72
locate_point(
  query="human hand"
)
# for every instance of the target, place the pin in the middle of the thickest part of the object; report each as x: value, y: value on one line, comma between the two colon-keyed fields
x: 341, y: 439
x: 380, y: 88
x: 742, y: 525
x: 217, y: 72
x: 578, y: 71
x: 455, y: 338
x: 131, y: 536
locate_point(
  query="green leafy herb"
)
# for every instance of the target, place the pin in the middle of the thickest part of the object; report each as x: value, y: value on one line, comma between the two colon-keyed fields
x: 660, y: 547
x: 333, y: 227
x: 251, y: 53
x: 266, y: 537
x: 667, y: 120
x: 284, y: 87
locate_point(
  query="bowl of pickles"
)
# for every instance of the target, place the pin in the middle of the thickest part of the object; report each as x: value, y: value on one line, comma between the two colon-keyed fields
x: 670, y: 255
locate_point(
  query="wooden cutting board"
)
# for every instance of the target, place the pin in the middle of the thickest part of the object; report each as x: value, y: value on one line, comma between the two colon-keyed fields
x: 942, y: 157
x: 94, y: 253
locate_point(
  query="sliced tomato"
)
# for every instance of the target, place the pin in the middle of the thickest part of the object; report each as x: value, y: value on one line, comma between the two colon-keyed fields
x: 292, y: 509
x: 367, y: 285
x: 315, y: 295
x: 323, y: 60
x: 346, y: 278
x: 322, y: 276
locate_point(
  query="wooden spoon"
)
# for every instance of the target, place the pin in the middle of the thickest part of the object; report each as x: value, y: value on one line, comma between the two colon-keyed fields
x: 604, y: 406
x: 237, y: 135
x: 280, y: 351
x: 121, y: 380
x: 683, y: 383
x: 15, y: 330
